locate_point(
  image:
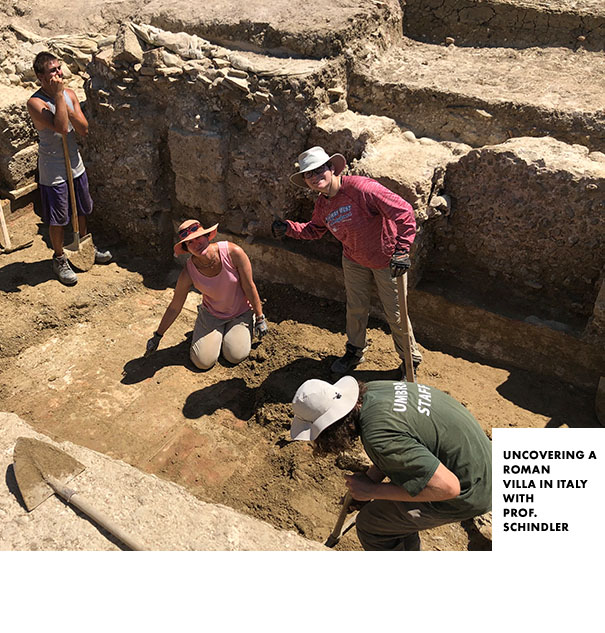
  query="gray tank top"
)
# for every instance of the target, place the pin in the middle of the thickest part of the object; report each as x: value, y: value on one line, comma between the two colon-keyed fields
x: 51, y: 161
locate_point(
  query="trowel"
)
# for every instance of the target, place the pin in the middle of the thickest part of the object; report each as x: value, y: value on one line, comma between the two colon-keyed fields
x: 81, y: 252
x: 42, y: 470
x: 343, y: 525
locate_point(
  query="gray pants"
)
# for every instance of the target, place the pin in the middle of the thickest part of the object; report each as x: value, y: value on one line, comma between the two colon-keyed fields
x: 212, y: 335
x: 394, y: 525
x: 358, y: 287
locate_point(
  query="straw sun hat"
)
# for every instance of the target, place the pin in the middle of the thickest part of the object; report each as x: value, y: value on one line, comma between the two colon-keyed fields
x: 189, y: 230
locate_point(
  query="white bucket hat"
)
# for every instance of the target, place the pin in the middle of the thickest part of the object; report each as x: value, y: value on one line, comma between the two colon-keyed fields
x: 314, y: 158
x: 318, y: 404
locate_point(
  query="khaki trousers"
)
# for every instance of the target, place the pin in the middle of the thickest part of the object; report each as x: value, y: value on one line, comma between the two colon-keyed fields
x: 358, y: 287
x: 212, y: 335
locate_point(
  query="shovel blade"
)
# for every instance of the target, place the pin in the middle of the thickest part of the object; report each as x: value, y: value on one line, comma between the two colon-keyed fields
x: 81, y: 252
x: 33, y: 461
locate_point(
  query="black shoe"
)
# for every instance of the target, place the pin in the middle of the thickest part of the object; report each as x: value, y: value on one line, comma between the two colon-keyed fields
x: 352, y: 357
x: 415, y: 364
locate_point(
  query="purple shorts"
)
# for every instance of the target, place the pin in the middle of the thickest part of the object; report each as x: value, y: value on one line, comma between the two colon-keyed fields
x: 56, y: 203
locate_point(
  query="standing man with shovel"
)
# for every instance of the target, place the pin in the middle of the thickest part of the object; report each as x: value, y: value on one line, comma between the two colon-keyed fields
x: 56, y: 114
x: 376, y: 228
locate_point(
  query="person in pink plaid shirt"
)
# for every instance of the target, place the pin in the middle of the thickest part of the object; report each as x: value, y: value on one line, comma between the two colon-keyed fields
x: 376, y: 228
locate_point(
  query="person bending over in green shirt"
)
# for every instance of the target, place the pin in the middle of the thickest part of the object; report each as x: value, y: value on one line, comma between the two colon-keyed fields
x: 432, y: 450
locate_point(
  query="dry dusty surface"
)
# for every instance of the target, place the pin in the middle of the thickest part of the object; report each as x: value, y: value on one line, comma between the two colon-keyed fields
x: 72, y: 368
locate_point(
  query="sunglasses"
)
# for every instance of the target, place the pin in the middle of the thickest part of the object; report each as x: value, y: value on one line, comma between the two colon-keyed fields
x: 318, y: 171
x: 188, y: 230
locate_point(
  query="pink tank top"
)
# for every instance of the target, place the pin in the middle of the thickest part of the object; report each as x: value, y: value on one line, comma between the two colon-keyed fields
x: 223, y: 296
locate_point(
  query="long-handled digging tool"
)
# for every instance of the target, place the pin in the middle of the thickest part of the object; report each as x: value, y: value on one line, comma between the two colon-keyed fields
x: 7, y: 244
x: 403, y: 317
x: 42, y: 470
x: 81, y: 252
x: 343, y: 525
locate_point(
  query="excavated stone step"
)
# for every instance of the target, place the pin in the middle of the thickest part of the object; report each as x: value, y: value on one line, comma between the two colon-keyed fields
x: 17, y: 154
x: 323, y: 30
x: 515, y: 23
x: 485, y: 96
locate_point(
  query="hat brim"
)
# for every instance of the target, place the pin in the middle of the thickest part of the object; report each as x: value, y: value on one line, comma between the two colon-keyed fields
x: 338, y: 161
x: 349, y: 388
x: 211, y: 232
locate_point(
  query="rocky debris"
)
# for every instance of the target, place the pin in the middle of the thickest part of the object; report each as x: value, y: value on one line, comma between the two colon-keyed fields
x: 201, y: 114
x: 276, y: 30
x: 515, y: 23
x: 159, y: 514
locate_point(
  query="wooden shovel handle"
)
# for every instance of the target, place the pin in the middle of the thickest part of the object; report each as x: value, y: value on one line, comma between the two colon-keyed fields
x: 82, y: 504
x: 337, y: 531
x: 403, y: 317
x: 70, y: 182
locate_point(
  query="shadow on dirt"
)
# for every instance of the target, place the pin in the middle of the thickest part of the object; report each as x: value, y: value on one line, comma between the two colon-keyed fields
x: 476, y: 541
x: 232, y: 394
x: 140, y: 369
x: 18, y: 274
x: 562, y: 402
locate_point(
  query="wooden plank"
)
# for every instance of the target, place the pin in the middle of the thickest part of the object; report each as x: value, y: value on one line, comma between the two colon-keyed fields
x: 15, y: 194
x: 5, y: 238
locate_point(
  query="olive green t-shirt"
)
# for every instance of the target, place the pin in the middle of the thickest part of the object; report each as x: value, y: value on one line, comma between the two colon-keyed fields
x: 407, y: 429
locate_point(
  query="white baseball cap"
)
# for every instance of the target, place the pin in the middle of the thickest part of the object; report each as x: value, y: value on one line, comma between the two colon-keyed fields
x: 317, y: 404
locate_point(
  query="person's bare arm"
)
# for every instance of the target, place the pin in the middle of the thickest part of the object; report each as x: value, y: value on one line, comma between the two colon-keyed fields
x: 43, y: 117
x: 76, y: 116
x: 443, y: 485
x: 244, y: 268
x: 183, y: 285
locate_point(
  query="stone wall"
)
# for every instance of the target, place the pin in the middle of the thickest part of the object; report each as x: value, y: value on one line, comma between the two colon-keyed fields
x: 530, y: 212
x: 516, y: 23
x: 207, y: 138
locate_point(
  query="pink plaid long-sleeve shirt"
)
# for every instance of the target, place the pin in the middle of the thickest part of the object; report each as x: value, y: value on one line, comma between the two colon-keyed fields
x: 368, y: 219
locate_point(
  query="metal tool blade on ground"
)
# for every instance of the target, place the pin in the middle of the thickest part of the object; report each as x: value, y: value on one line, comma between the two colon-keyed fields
x: 42, y: 470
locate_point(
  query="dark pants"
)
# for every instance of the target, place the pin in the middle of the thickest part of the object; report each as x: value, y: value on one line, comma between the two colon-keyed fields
x: 394, y: 525
x: 56, y: 202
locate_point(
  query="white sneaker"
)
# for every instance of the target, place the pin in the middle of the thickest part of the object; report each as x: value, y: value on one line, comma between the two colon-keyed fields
x: 63, y: 270
x: 102, y: 257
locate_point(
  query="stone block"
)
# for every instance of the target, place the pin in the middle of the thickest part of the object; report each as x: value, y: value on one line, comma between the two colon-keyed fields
x: 348, y: 133
x: 198, y: 161
x: 411, y: 170
x: 17, y: 129
x: 127, y: 48
x: 19, y: 169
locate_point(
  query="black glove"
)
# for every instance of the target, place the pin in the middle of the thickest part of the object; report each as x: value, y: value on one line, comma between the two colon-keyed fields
x: 400, y: 263
x: 260, y: 326
x: 152, y: 344
x: 279, y: 228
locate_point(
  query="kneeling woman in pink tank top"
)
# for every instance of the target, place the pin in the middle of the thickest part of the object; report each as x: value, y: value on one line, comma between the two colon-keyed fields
x: 230, y: 306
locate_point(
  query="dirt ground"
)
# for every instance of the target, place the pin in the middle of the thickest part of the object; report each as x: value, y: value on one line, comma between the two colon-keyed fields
x: 72, y: 367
